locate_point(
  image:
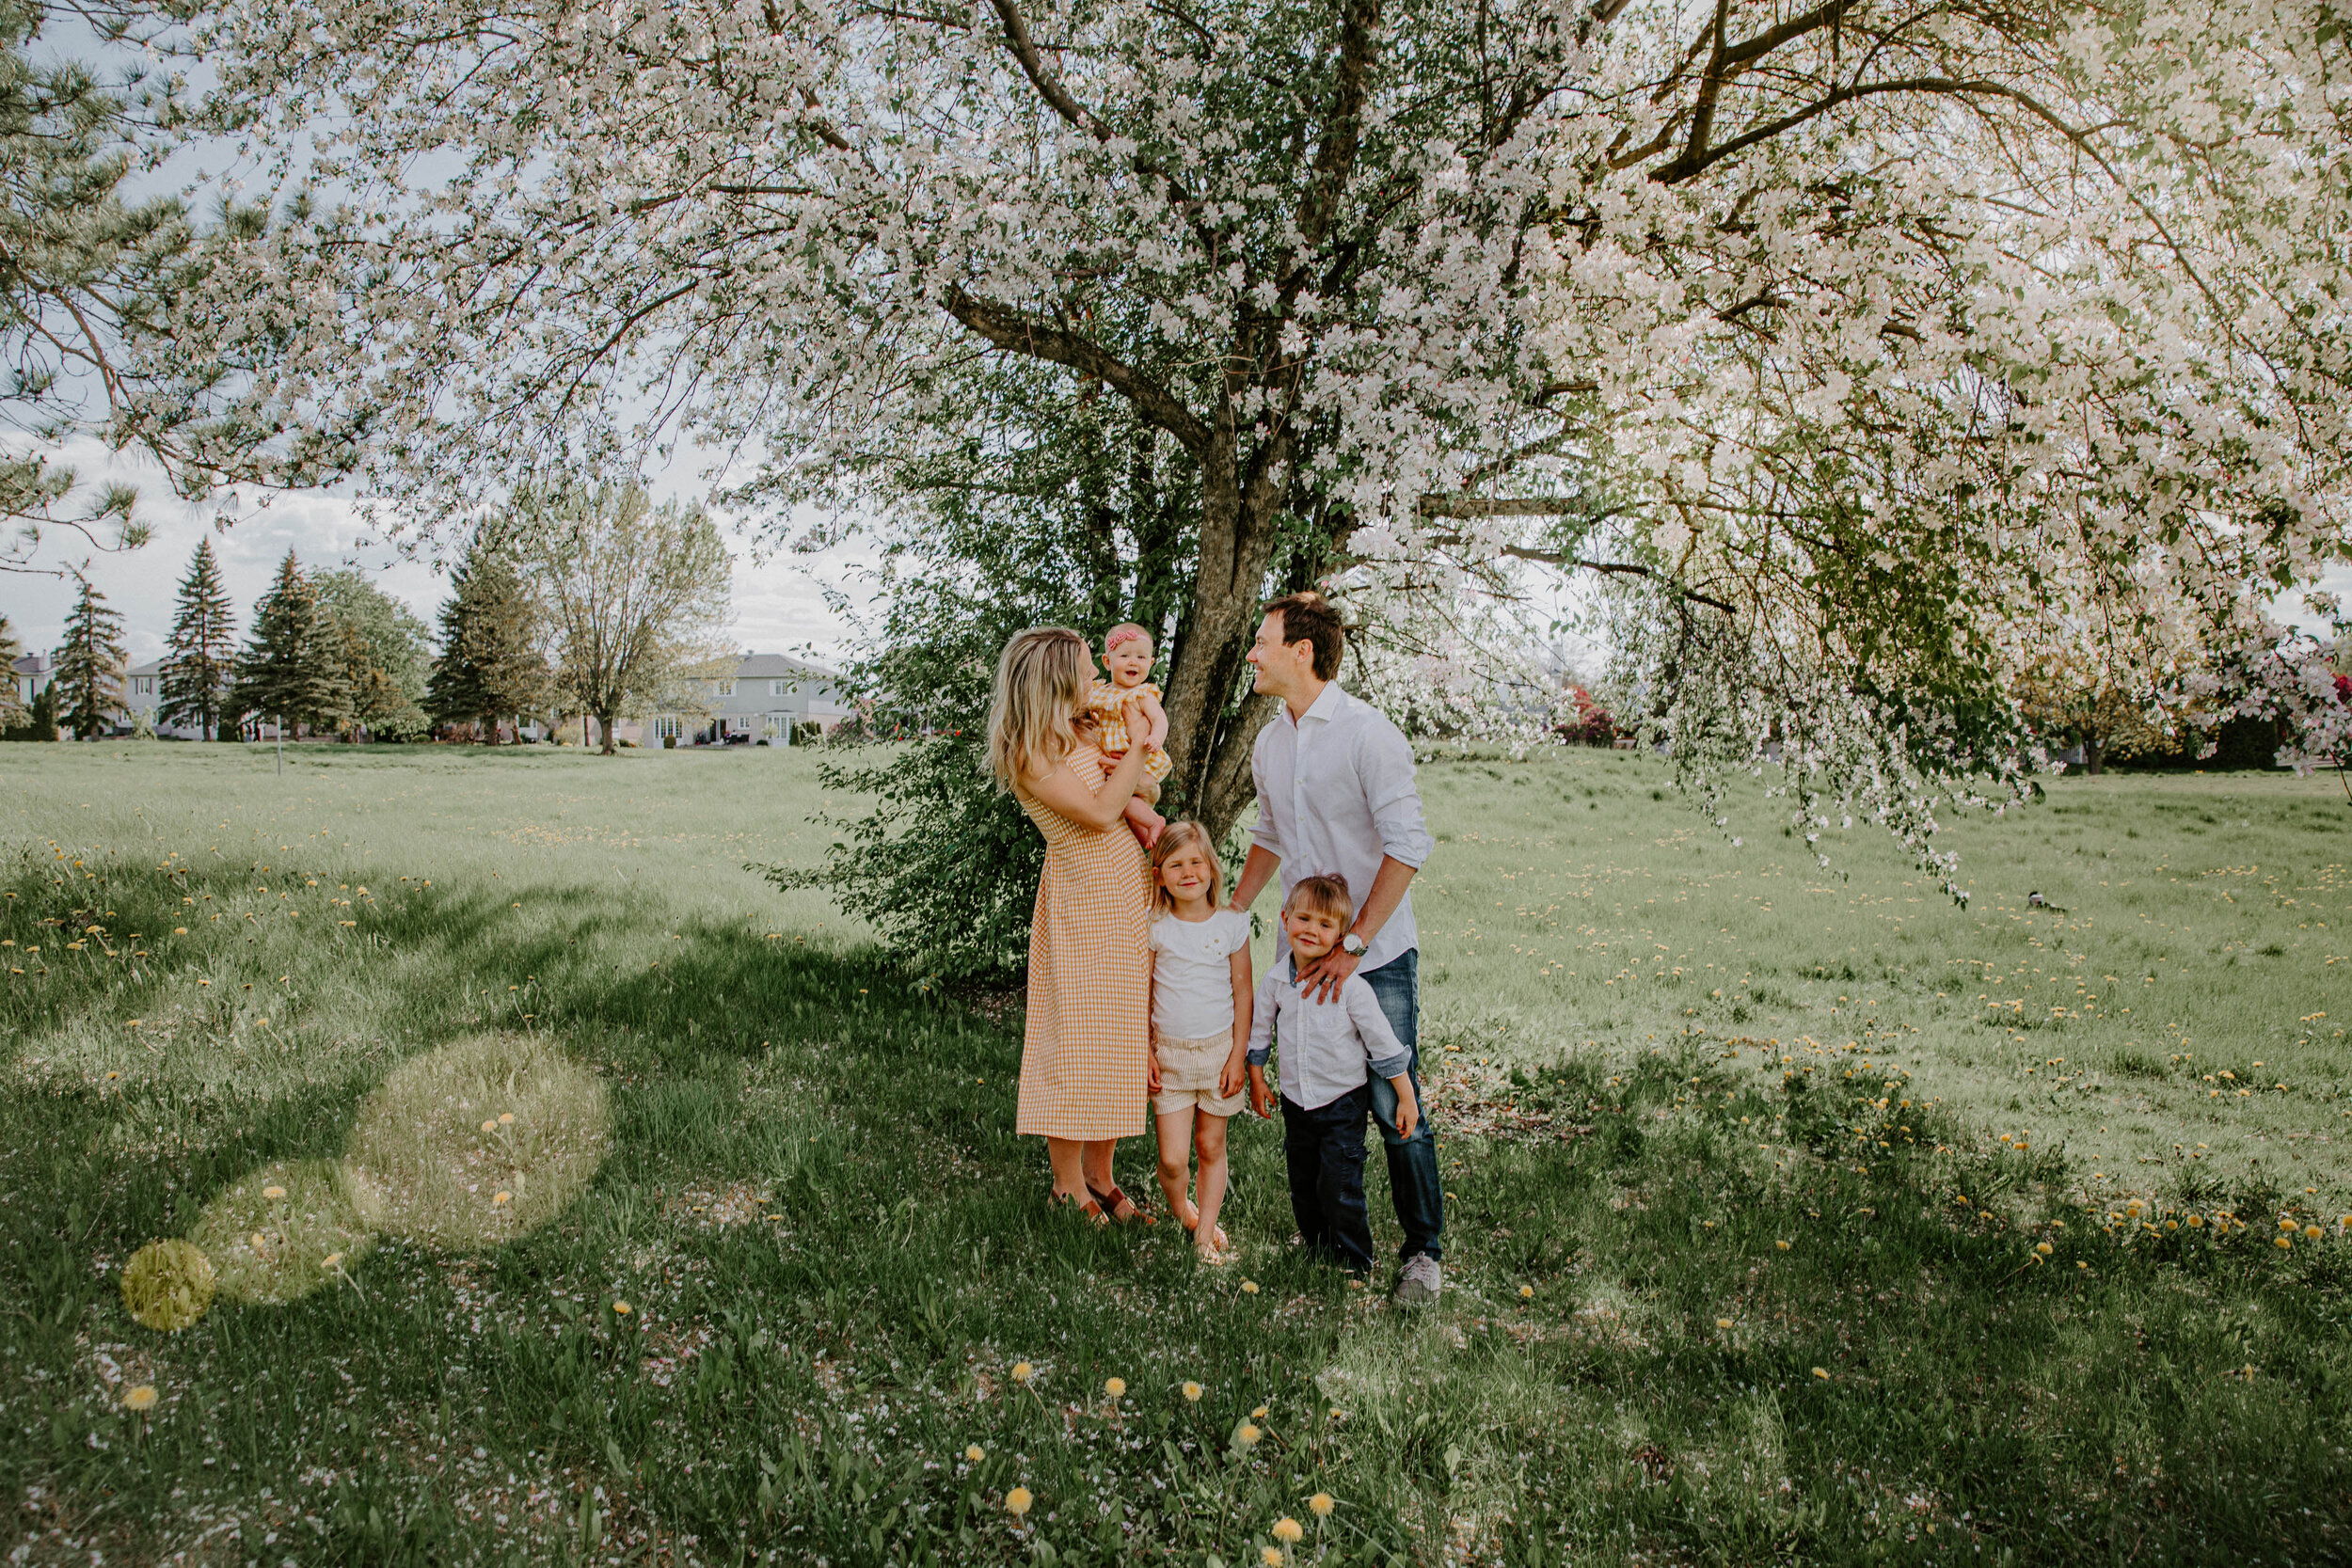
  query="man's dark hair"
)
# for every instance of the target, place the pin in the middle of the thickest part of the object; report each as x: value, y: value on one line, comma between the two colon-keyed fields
x: 1308, y: 617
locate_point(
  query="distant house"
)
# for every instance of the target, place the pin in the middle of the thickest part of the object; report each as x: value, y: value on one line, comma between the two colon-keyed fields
x: 32, y: 674
x: 142, y: 694
x: 767, y: 698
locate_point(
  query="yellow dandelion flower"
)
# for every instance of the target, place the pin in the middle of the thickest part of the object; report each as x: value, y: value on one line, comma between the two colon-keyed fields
x: 1192, y: 1393
x: 1320, y: 1505
x: 1114, y: 1386
x: 179, y: 931
x: 974, y: 1453
x: 1022, y: 1371
x: 140, y: 1397
x: 489, y: 1127
x: 1820, y: 1374
x: 1289, y: 1531
x: 1782, y: 1245
x: 1527, y: 1289
x: 497, y: 1198
x: 622, y: 1309
x: 2045, y: 1248
x: 2194, y: 1222
x: 1248, y: 1435
x: 1723, y: 1322
x: 1270, y: 1555
x: 1259, y: 1414
x: 273, y: 1194
x: 1249, y: 1286
x: 506, y: 1119
x: 2286, y: 1224
x: 331, y: 1260
x: 2310, y: 1233
x: 2282, y: 1243
x: 1017, y: 1501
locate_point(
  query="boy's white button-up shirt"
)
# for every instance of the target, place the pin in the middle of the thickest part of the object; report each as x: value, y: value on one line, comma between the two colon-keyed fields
x: 1335, y: 794
x: 1329, y: 1048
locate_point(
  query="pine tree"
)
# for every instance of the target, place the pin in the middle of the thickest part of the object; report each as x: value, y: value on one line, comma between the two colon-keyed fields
x: 291, y: 668
x: 202, y: 663
x: 89, y: 665
x: 11, y: 699
x: 490, y: 663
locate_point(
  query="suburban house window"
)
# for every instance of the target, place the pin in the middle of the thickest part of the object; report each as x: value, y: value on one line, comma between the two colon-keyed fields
x: 727, y: 689
x: 779, y: 689
x: 665, y: 727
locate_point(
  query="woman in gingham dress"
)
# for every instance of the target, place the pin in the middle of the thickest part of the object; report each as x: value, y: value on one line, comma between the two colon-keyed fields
x: 1083, y: 1056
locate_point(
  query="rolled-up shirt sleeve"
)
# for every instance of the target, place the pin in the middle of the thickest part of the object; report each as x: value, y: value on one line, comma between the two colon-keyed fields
x: 1262, y: 1021
x: 1384, y: 760
x: 1385, y: 1055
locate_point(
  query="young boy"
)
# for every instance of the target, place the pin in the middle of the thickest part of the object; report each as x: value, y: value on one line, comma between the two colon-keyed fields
x: 1327, y: 1047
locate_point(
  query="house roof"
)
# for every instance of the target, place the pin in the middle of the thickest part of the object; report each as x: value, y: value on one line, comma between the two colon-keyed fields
x: 770, y: 666
x: 152, y: 667
x: 30, y: 664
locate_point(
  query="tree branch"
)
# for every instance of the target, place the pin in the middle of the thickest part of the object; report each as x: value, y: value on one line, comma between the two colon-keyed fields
x: 1020, y: 332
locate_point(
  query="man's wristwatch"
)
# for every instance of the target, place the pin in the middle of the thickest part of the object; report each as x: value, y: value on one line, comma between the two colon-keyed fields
x: 1352, y: 944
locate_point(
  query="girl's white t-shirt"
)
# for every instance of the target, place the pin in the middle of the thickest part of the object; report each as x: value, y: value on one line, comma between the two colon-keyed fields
x: 1192, y: 976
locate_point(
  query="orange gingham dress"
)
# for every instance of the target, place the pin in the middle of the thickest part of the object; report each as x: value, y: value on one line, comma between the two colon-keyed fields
x: 1083, y: 1055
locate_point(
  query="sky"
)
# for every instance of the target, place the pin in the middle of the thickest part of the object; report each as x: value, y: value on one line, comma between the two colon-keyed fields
x: 780, y: 604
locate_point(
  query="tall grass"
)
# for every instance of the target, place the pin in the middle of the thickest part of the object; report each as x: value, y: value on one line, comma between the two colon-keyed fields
x: 1746, y: 1277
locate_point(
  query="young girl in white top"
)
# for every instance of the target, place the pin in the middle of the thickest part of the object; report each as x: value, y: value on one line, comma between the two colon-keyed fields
x: 1200, y: 998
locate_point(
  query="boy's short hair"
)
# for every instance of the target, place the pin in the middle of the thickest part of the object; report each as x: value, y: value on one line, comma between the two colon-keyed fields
x: 1322, y: 896
x: 1121, y: 632
x: 1308, y: 617
x: 1185, y: 835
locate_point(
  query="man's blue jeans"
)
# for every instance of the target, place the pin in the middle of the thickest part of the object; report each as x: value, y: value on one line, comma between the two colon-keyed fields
x: 1413, y: 1181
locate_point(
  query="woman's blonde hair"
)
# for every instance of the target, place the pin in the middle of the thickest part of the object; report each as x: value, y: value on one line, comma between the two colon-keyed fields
x: 1033, y: 706
x: 1184, y: 835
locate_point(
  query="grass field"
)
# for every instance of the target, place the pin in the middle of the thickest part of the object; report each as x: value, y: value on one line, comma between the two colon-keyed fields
x: 1751, y: 1166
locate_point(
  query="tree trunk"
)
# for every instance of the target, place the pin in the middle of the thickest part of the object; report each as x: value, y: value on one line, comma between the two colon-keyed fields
x: 604, y: 721
x: 2094, y: 753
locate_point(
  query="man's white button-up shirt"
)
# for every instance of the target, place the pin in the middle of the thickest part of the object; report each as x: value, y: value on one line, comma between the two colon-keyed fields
x: 1335, y: 794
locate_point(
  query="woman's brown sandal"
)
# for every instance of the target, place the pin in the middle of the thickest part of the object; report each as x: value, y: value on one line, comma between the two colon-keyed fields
x: 1086, y: 1207
x: 1119, y: 1206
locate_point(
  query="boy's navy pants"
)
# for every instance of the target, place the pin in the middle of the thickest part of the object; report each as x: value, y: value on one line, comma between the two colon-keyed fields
x: 1325, y: 1150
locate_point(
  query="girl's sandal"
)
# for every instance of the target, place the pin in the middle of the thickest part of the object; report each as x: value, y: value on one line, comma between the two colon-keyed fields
x: 1086, y: 1206
x: 1119, y: 1206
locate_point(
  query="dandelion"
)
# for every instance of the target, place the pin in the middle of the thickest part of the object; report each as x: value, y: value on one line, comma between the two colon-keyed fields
x: 2286, y: 1224
x: 498, y: 1198
x: 333, y: 1259
x: 2044, y: 1248
x: 273, y: 1194
x: 1192, y: 1393
x: 2310, y: 1233
x: 974, y: 1453
x: 1114, y: 1386
x: 1527, y: 1289
x: 1017, y: 1501
x: 506, y: 1119
x: 1270, y: 1555
x: 1249, y: 1286
x: 1248, y: 1435
x: 1320, y: 1505
x: 2282, y: 1243
x: 1782, y: 1245
x: 1723, y: 1322
x: 140, y: 1397
x: 1022, y: 1371
x: 1289, y: 1531
x: 489, y: 1127
x: 1259, y: 1414
x: 622, y: 1309
x: 179, y: 931
x: 1820, y: 1374
x: 2194, y: 1222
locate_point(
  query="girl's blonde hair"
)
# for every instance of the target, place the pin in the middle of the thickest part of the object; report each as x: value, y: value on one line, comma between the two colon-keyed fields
x: 1184, y: 835
x: 1033, y: 706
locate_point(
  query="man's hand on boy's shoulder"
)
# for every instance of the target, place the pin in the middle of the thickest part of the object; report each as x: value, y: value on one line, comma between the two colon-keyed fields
x: 1321, y: 980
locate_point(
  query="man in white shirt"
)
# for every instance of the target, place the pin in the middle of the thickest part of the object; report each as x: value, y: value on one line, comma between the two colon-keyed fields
x: 1336, y: 798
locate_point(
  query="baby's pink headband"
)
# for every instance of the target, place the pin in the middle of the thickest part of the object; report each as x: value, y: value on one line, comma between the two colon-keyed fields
x: 1125, y: 634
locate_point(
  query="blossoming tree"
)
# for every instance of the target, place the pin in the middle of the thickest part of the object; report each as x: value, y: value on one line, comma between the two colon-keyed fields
x: 1824, y: 333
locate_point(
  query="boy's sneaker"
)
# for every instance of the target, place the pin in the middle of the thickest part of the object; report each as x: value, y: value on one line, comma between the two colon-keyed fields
x: 1417, y: 1282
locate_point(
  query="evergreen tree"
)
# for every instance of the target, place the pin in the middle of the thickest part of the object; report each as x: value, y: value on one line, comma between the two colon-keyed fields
x: 11, y: 699
x: 291, y: 669
x: 202, y: 664
x: 89, y: 665
x: 490, y: 663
